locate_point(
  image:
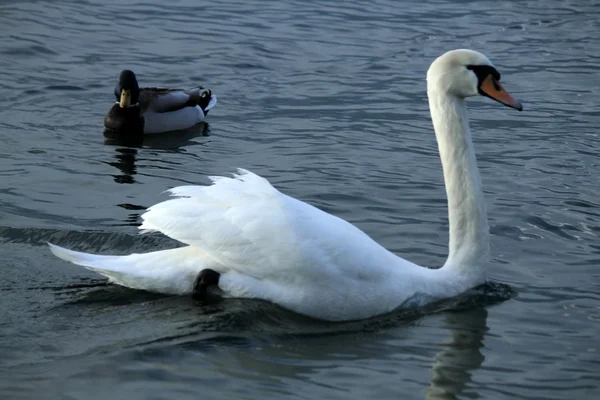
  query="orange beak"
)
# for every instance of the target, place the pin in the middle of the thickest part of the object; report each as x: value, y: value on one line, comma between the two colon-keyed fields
x: 491, y: 88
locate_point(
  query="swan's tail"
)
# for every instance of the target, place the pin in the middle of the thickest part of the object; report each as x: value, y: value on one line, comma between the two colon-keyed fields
x: 170, y: 271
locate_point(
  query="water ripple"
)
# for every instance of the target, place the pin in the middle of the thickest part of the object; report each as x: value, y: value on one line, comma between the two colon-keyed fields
x: 327, y: 101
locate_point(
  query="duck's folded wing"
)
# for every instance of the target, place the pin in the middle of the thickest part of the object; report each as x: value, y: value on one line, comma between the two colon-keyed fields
x: 163, y: 100
x: 168, y: 100
x: 248, y: 226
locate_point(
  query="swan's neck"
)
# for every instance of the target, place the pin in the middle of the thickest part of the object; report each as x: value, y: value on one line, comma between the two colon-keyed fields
x: 469, y: 231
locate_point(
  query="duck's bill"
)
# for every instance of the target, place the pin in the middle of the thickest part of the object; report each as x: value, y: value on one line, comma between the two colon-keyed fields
x: 125, y: 100
x: 492, y: 89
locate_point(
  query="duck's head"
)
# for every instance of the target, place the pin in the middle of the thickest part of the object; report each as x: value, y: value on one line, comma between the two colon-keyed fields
x: 466, y: 73
x: 127, y: 90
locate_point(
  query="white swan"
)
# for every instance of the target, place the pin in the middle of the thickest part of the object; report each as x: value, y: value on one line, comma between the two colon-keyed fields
x: 255, y: 242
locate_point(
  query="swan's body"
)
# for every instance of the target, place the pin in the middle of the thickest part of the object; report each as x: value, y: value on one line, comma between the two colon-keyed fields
x: 140, y: 111
x: 270, y: 246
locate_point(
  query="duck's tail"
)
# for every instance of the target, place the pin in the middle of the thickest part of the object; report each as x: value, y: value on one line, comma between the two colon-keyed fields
x: 203, y: 98
x: 211, y: 103
x: 170, y: 271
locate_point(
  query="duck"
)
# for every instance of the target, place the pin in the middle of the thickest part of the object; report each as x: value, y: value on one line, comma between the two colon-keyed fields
x: 144, y: 111
x: 243, y: 238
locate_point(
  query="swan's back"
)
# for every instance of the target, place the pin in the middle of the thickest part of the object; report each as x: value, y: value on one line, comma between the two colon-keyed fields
x: 245, y: 223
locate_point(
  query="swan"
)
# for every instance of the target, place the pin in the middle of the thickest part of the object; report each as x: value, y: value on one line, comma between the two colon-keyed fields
x: 246, y: 239
x: 140, y: 111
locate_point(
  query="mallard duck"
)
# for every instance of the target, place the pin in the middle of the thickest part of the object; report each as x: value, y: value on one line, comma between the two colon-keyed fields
x: 245, y: 238
x: 140, y: 111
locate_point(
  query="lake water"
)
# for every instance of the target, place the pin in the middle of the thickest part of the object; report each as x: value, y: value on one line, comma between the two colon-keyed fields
x: 327, y: 100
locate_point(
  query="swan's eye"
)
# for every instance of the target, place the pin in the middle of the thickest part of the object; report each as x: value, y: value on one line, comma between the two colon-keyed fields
x: 482, y: 71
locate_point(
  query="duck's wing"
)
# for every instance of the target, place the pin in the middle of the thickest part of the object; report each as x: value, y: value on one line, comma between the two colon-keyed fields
x: 246, y: 225
x: 162, y: 100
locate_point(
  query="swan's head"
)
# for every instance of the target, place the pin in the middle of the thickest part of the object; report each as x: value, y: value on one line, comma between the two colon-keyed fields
x: 466, y: 73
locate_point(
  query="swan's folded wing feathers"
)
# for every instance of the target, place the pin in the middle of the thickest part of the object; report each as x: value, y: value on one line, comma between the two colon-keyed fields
x: 226, y: 190
x: 238, y: 220
x: 248, y: 226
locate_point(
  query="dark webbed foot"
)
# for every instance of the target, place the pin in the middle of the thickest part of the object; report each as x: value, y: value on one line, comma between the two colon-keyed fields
x: 206, y: 278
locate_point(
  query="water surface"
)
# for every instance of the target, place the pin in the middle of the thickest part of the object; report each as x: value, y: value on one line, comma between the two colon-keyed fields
x: 328, y: 101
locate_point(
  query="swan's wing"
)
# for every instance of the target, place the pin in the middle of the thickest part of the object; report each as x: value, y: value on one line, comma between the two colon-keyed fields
x: 250, y: 227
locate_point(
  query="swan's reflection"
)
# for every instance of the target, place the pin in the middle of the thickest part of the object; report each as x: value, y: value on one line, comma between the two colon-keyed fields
x: 362, y: 357
x: 255, y: 345
x: 461, y: 355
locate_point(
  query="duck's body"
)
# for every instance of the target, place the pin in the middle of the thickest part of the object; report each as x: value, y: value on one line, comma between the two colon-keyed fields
x: 143, y: 111
x: 252, y: 241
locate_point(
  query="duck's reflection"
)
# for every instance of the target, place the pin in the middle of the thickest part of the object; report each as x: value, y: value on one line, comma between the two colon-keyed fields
x: 125, y: 163
x: 177, y: 139
x: 119, y: 140
x: 127, y: 152
x: 133, y: 219
x: 165, y: 141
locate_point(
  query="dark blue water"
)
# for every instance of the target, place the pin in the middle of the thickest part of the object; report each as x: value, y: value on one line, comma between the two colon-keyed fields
x: 327, y: 100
